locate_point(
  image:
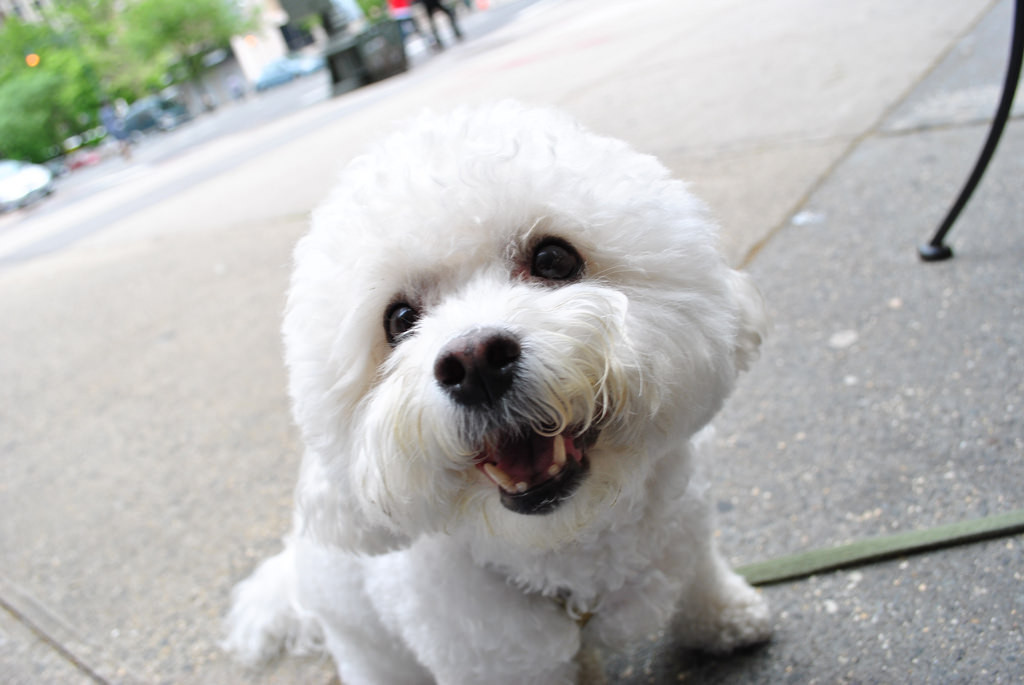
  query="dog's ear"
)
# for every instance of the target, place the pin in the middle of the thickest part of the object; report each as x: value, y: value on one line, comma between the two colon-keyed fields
x: 328, y: 512
x: 751, y: 319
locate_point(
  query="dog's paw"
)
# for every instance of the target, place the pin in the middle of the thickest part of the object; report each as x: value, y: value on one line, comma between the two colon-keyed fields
x: 734, y: 616
x: 262, y: 622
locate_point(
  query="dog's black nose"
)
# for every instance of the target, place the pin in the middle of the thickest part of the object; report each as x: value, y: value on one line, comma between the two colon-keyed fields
x: 479, y: 367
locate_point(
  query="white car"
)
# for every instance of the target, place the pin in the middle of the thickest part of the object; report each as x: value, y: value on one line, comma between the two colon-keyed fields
x: 22, y: 183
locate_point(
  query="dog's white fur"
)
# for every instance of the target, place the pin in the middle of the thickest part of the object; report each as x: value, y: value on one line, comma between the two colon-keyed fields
x: 402, y: 563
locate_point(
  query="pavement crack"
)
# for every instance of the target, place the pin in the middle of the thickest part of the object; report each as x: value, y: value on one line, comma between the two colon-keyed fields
x: 55, y: 632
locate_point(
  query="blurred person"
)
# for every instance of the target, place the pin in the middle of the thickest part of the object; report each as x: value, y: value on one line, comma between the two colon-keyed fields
x: 114, y: 124
x: 401, y: 12
x: 236, y: 88
x: 433, y: 6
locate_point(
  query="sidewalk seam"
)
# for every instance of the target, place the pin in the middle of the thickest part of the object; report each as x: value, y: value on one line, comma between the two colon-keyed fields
x: 874, y: 130
x: 944, y: 126
x: 58, y: 635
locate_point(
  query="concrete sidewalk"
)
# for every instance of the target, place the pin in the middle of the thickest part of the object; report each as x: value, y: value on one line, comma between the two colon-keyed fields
x: 148, y: 457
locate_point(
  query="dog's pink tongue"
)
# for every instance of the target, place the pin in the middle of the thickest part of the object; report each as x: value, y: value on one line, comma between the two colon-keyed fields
x: 517, y: 465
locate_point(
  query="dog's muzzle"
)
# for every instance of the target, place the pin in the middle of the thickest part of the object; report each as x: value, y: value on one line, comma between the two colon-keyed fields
x: 535, y: 473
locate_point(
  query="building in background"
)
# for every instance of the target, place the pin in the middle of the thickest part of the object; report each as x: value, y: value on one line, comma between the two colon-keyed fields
x: 278, y: 35
x: 263, y: 45
x: 29, y: 10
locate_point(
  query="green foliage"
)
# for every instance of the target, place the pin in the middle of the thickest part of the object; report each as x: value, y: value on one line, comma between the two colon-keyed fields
x: 181, y: 31
x: 96, y: 29
x: 41, y: 105
x: 29, y: 124
x: 17, y: 39
x: 311, y: 22
x: 374, y: 10
x: 91, y: 50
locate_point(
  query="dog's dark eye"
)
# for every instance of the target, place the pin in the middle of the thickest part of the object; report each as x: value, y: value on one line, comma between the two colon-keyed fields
x: 399, y: 320
x: 556, y: 260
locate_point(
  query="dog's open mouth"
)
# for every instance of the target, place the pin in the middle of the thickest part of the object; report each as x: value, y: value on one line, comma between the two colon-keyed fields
x: 536, y: 473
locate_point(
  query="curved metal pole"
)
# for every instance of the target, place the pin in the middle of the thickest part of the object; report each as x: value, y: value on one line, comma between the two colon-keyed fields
x: 936, y: 250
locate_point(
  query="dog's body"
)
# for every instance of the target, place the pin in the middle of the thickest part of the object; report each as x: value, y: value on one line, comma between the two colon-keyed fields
x: 503, y: 335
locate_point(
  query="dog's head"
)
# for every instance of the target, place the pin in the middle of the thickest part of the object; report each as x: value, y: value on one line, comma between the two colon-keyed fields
x: 500, y: 319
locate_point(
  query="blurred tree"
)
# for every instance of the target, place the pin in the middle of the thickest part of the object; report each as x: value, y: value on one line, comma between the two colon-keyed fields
x: 181, y: 33
x: 18, y: 39
x: 42, y: 101
x: 30, y: 124
x: 374, y: 10
x: 96, y: 30
x: 92, y: 50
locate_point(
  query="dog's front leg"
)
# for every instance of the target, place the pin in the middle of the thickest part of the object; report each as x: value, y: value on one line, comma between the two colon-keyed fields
x: 467, y: 624
x: 719, y: 611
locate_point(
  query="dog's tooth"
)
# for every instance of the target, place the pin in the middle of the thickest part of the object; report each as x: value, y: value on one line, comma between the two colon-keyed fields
x: 554, y: 469
x: 559, y: 453
x: 521, y: 487
x: 500, y: 477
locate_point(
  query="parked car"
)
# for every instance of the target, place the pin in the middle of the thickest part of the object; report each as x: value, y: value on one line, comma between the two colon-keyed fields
x: 83, y: 157
x: 274, y: 74
x: 154, y: 113
x: 307, y: 64
x: 285, y: 69
x: 58, y: 166
x: 22, y: 183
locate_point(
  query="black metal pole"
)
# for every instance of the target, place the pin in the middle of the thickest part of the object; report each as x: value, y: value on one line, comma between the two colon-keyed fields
x: 936, y: 250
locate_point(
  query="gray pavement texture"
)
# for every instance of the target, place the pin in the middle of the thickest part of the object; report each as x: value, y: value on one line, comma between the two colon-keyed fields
x: 148, y: 456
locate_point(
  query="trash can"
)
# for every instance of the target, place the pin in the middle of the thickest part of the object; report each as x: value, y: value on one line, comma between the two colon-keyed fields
x: 383, y: 50
x: 353, y: 59
x: 372, y: 55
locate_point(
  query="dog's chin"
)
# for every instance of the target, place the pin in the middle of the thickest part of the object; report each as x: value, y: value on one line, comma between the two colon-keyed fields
x: 535, y: 473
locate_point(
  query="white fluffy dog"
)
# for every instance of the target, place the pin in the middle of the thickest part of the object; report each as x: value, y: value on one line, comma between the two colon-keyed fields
x: 503, y: 334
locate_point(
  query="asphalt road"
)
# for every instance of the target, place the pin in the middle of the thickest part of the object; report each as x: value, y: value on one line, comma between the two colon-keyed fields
x: 19, y: 240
